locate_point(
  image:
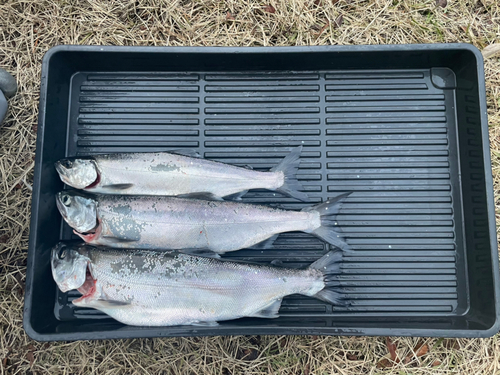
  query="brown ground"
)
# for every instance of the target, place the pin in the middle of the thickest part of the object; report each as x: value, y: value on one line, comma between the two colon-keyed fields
x: 29, y: 28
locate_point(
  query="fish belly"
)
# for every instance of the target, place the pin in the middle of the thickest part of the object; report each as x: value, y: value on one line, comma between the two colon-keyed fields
x: 221, y: 293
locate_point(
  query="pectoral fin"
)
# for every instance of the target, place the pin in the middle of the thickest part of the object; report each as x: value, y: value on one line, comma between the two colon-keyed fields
x: 266, y: 244
x: 236, y: 196
x: 109, y: 304
x: 201, y: 253
x: 117, y: 239
x: 270, y: 311
x: 186, y: 152
x: 202, y: 196
x: 277, y: 263
x: 205, y: 324
x: 118, y: 186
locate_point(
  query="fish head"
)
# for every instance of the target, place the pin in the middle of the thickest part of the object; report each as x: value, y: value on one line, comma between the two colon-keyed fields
x: 78, y: 173
x: 79, y: 211
x: 69, y: 266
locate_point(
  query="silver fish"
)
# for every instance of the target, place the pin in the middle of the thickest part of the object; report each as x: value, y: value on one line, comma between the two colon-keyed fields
x: 172, y: 223
x: 164, y: 173
x: 148, y: 288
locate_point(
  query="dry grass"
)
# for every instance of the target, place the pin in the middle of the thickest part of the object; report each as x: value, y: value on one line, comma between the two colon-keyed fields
x: 29, y: 28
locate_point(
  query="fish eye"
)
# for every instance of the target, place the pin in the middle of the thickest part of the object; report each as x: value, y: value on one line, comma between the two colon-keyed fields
x: 67, y: 163
x: 66, y: 200
x: 62, y: 254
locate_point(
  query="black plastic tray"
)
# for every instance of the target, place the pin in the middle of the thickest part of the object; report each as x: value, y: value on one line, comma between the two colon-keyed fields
x: 403, y: 127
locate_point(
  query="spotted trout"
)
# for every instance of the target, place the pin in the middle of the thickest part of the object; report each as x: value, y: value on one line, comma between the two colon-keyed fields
x: 172, y: 223
x: 151, y: 288
x: 164, y: 173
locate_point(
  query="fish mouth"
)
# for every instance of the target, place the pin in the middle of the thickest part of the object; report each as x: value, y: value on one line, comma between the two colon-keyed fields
x: 60, y: 206
x: 88, y: 288
x: 63, y: 172
x: 91, y: 235
x: 60, y: 169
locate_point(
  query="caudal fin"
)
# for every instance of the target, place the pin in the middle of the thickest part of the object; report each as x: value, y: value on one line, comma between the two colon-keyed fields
x: 329, y: 229
x: 289, y: 166
x: 329, y: 265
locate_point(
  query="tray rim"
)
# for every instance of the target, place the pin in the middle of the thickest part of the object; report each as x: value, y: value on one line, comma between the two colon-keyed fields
x: 188, y: 331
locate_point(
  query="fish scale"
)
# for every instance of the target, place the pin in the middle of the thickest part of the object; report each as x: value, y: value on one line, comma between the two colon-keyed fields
x: 173, y: 174
x: 172, y: 223
x: 139, y: 287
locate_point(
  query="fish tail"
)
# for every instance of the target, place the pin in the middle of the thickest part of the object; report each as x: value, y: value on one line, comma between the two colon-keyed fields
x: 329, y: 265
x: 329, y: 230
x: 289, y: 166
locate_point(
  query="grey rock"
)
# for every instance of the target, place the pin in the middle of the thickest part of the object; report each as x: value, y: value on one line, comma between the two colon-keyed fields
x: 8, y: 84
